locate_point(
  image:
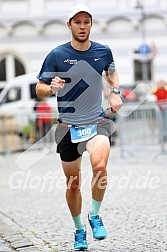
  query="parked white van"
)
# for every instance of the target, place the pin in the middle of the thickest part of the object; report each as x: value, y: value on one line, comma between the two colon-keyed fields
x: 18, y: 98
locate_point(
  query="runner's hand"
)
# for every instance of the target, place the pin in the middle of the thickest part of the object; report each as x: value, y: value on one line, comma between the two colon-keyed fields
x: 115, y: 102
x: 56, y: 84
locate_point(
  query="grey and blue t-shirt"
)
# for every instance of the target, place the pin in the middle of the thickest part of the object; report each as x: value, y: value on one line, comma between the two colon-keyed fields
x: 79, y: 101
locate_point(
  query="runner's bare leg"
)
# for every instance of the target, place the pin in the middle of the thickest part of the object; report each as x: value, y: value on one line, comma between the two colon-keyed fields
x: 72, y: 171
x: 99, y: 148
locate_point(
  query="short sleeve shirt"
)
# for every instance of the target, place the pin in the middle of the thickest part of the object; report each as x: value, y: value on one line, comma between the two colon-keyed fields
x: 79, y: 101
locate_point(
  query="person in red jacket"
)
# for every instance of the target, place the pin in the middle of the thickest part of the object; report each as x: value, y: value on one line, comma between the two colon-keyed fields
x: 161, y: 92
x: 43, y: 110
x: 161, y: 97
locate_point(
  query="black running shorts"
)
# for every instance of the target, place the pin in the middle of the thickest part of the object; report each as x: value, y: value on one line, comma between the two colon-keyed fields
x: 71, y: 151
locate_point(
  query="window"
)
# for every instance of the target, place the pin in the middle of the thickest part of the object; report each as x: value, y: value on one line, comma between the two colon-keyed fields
x: 10, y: 66
x: 142, y: 70
x: 3, y: 70
x: 14, y: 94
x: 33, y: 91
x: 19, y: 68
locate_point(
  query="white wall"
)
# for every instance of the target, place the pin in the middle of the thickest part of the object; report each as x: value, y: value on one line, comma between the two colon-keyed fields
x: 37, y: 26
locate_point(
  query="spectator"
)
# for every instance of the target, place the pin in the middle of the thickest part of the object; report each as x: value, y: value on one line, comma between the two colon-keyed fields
x: 161, y: 97
x: 43, y: 110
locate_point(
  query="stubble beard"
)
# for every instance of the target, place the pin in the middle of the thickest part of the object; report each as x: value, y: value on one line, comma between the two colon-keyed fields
x: 80, y: 40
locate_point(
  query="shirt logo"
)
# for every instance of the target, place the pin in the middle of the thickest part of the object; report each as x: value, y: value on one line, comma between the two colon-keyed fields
x: 97, y: 59
x: 71, y: 62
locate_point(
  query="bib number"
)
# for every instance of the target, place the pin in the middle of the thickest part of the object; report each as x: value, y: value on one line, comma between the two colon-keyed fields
x: 82, y: 133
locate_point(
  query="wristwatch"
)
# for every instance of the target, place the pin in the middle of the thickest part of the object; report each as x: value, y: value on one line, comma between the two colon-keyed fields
x: 115, y: 90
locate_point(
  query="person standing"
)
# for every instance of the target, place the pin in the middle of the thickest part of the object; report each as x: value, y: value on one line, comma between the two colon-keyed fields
x: 73, y: 72
x: 44, y: 120
x: 160, y: 93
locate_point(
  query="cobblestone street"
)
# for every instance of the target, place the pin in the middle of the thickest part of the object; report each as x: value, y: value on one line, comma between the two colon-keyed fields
x: 34, y: 215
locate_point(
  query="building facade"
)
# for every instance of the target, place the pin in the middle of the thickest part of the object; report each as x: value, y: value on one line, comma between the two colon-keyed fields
x: 135, y: 30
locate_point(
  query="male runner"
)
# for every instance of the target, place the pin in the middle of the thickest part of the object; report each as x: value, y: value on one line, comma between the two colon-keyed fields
x: 73, y: 71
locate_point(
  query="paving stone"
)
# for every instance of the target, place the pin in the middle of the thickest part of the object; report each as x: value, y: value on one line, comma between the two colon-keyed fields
x: 21, y: 243
x: 13, y: 238
x: 30, y: 249
x: 5, y: 249
x: 135, y: 219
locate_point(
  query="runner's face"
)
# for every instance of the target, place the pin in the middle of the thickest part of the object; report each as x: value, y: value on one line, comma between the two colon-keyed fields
x: 80, y: 26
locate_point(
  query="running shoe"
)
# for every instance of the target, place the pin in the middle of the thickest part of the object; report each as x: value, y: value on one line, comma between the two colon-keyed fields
x: 98, y: 229
x: 80, y: 242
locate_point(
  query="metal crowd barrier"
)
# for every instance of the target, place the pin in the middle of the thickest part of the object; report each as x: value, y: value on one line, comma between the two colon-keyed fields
x: 163, y: 110
x: 142, y: 128
x: 15, y: 138
x: 9, y: 139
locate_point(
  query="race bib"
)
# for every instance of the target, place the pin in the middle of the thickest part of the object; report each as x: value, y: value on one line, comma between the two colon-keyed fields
x: 82, y: 133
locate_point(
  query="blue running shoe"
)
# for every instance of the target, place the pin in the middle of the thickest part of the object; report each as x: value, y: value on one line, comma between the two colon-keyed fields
x: 98, y: 229
x: 80, y: 242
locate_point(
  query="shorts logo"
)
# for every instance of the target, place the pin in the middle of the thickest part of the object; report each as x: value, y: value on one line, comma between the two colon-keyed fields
x: 71, y: 62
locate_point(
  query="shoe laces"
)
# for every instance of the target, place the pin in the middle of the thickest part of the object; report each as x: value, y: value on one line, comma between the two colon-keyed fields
x: 80, y: 235
x: 97, y: 222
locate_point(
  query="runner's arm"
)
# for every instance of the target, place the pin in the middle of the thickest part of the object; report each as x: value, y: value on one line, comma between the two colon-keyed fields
x: 44, y: 90
x: 115, y: 101
x: 112, y: 78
